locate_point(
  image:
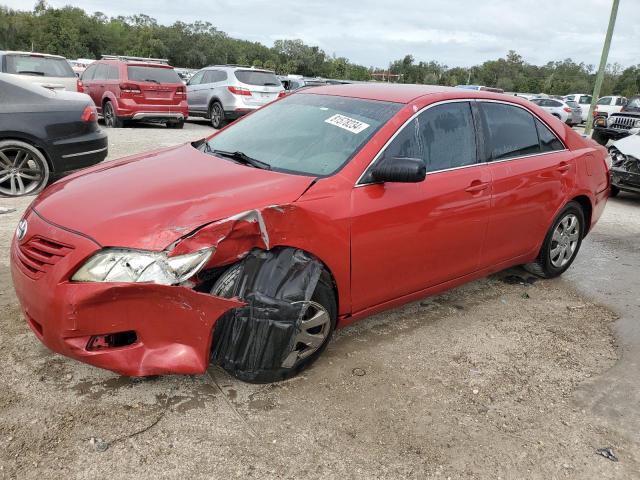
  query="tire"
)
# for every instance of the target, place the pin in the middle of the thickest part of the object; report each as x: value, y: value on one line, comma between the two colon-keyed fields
x: 600, y: 138
x: 178, y: 125
x: 111, y: 120
x: 614, y: 191
x: 552, y: 262
x: 216, y: 115
x: 23, y: 169
x: 323, y: 295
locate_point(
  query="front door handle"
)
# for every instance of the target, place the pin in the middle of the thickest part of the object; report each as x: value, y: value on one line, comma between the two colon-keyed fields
x: 477, y: 186
x: 564, y: 167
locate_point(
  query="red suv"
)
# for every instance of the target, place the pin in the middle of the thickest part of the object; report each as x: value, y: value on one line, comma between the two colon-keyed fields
x: 132, y: 88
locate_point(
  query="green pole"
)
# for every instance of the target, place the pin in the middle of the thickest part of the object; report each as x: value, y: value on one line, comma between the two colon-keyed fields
x: 603, y: 65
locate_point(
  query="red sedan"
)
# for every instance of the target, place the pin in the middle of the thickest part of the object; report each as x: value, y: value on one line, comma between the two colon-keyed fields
x: 247, y: 249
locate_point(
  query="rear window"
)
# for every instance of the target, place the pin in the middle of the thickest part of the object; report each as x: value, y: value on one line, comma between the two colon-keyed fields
x: 572, y: 104
x: 152, y: 74
x: 39, y: 66
x: 585, y: 99
x: 252, y: 77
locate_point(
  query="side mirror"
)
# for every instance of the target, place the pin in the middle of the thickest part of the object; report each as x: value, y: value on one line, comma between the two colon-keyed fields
x: 399, y: 169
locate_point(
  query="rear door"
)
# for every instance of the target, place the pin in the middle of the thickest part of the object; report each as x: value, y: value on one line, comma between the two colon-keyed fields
x: 263, y: 85
x: 406, y: 237
x: 196, y: 92
x: 87, y: 83
x: 159, y: 84
x: 531, y: 174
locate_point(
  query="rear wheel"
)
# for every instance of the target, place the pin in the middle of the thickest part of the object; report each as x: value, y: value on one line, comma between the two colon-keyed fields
x: 111, y: 120
x: 23, y: 169
x: 562, y: 243
x: 315, y: 328
x: 216, y: 114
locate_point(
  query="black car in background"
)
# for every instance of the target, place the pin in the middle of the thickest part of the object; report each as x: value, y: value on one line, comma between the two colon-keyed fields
x: 618, y: 125
x: 44, y: 133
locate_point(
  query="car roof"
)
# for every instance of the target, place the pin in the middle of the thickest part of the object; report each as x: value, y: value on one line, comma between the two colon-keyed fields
x: 400, y: 93
x: 37, y: 54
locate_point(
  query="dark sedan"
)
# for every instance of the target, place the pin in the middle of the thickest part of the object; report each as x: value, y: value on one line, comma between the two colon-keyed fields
x: 44, y: 133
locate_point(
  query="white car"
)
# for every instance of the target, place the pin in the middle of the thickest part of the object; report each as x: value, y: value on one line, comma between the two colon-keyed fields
x: 605, y: 106
x: 581, y: 99
x: 49, y: 71
x: 568, y: 112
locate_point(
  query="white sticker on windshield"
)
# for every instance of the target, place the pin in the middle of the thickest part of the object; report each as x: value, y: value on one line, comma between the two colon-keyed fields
x: 347, y: 123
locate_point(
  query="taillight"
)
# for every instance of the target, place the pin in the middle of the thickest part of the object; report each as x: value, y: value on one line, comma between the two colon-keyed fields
x: 180, y: 91
x: 79, y: 86
x: 130, y: 88
x: 89, y: 114
x: 567, y: 109
x: 240, y: 91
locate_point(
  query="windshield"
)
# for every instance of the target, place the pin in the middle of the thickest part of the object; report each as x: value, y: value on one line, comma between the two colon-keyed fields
x: 305, y: 133
x: 634, y: 103
x: 253, y: 77
x: 153, y: 74
x: 37, y: 65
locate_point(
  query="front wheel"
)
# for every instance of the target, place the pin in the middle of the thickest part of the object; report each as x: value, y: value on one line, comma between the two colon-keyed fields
x: 600, y: 138
x: 178, y: 125
x: 561, y: 243
x: 312, y: 336
x: 23, y: 169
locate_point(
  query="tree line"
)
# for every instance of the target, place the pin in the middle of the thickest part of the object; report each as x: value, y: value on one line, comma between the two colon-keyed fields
x: 73, y: 33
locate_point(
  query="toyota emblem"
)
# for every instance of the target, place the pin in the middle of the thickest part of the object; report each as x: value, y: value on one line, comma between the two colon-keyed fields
x: 21, y: 231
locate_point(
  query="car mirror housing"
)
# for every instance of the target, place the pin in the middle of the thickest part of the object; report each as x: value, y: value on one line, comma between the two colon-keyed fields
x: 400, y: 169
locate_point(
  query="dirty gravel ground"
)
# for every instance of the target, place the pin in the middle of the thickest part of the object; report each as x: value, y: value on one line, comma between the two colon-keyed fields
x: 486, y: 381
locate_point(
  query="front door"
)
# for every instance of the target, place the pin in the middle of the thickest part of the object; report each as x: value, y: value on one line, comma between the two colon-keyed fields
x: 406, y: 237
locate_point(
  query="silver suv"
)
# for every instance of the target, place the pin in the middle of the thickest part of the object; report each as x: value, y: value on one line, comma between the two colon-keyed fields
x: 226, y: 92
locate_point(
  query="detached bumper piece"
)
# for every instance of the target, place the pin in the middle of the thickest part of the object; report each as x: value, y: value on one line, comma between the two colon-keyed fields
x: 253, y: 342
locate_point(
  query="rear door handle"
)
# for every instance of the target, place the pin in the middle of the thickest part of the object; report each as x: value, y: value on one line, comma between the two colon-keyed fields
x: 477, y: 186
x: 564, y: 167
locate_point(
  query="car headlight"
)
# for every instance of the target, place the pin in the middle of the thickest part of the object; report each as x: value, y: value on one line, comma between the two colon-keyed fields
x: 636, y: 124
x: 137, y: 266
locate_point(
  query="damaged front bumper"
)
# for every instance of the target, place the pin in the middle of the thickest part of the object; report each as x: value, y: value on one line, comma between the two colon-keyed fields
x: 131, y: 329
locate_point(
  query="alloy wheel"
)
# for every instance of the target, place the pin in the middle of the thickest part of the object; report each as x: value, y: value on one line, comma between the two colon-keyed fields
x: 109, y: 117
x: 564, y: 240
x: 216, y: 115
x: 21, y: 171
x: 314, y: 330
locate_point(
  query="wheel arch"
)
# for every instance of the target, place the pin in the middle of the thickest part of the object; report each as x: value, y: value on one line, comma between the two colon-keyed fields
x: 31, y: 140
x: 587, y: 209
x: 212, y: 100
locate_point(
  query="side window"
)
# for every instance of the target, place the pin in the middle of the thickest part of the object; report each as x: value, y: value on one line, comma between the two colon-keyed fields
x: 448, y: 136
x: 112, y: 72
x: 621, y: 101
x: 511, y: 131
x: 197, y: 78
x: 554, y: 103
x: 89, y: 73
x: 101, y: 72
x: 585, y: 99
x: 604, y: 101
x: 209, y: 76
x: 442, y: 136
x: 548, y: 141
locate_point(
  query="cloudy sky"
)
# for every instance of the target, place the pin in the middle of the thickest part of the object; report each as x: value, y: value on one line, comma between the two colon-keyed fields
x: 374, y: 32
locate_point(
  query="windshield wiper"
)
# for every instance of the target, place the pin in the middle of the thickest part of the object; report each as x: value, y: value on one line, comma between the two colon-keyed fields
x: 241, y: 157
x: 30, y: 72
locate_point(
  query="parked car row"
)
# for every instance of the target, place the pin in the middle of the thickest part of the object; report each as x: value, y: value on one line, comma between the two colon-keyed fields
x: 567, y: 111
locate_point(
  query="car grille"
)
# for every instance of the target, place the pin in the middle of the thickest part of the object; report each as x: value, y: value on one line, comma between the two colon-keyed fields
x: 38, y: 254
x: 621, y: 122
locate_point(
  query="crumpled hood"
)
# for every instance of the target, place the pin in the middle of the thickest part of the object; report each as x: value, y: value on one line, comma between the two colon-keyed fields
x: 151, y: 200
x: 629, y: 145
